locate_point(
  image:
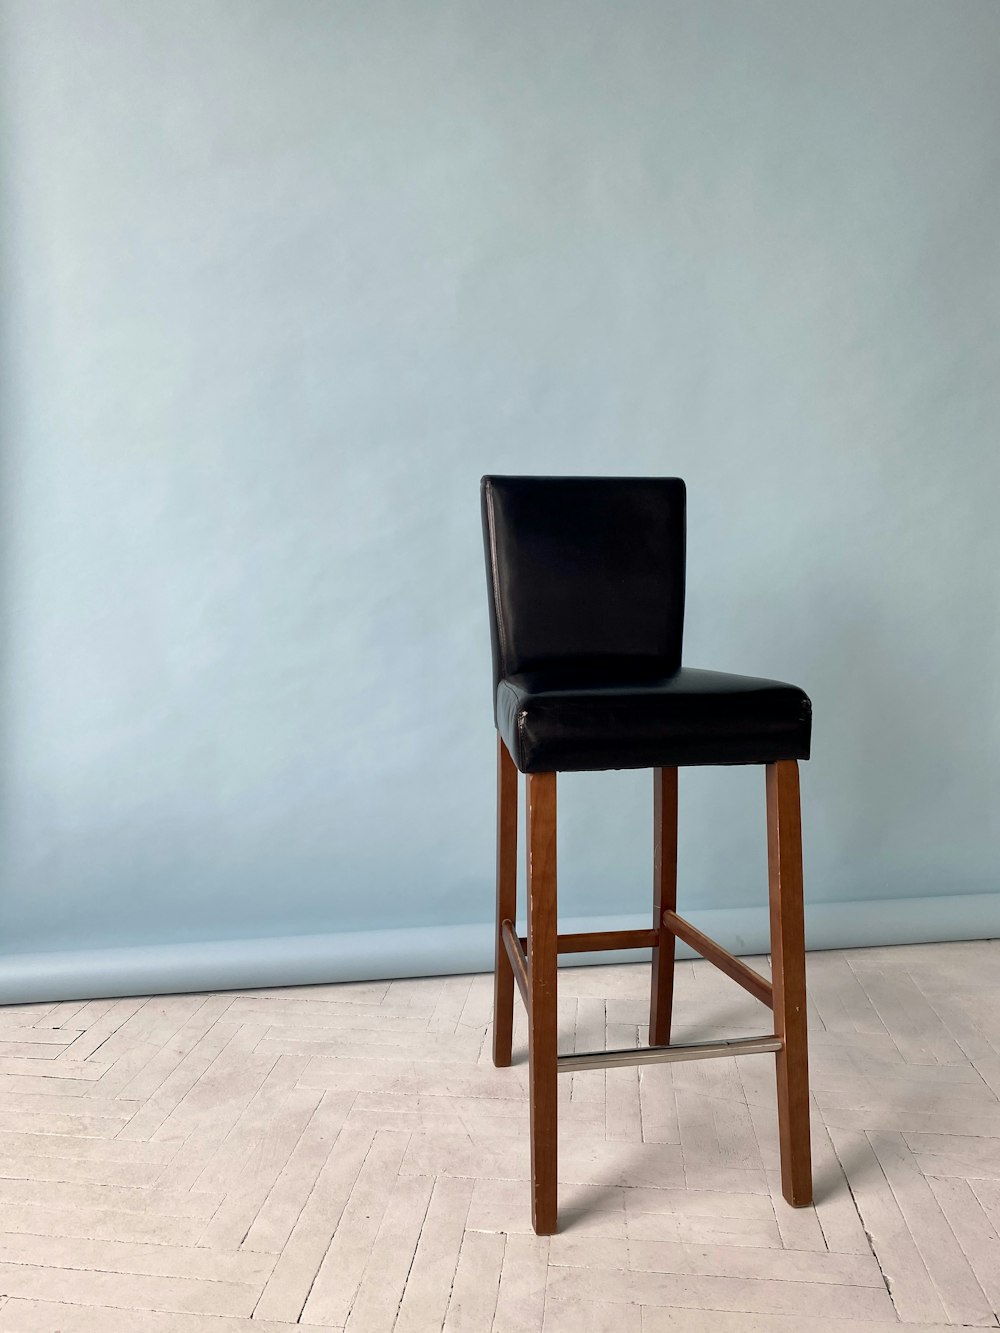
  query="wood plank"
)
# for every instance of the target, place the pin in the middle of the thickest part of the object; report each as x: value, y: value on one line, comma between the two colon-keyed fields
x: 661, y: 990
x: 734, y: 968
x: 542, y: 1017
x: 788, y: 969
x: 518, y: 961
x: 503, y: 976
x: 603, y: 941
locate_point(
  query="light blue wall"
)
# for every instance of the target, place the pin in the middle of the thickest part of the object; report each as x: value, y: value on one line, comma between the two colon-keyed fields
x: 281, y: 280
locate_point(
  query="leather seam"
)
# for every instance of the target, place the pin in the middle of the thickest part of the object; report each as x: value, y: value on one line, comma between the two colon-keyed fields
x: 501, y: 633
x: 518, y: 715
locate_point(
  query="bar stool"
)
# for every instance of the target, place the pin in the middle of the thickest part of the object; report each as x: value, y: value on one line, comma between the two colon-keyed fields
x: 586, y: 597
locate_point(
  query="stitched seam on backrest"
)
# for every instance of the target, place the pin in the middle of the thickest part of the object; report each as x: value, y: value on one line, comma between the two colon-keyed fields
x: 519, y: 717
x: 501, y: 634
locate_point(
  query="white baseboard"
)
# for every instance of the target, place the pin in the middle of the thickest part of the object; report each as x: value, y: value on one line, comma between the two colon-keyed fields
x: 300, y: 960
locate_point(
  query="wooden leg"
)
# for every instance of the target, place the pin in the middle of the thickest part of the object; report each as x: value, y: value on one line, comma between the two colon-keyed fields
x: 788, y: 972
x: 542, y: 965
x: 503, y: 973
x: 661, y: 994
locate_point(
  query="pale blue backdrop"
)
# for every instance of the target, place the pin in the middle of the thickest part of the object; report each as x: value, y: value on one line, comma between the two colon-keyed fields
x: 282, y: 278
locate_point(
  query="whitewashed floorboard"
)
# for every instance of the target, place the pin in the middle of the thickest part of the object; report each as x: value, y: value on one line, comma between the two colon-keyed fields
x: 345, y: 1158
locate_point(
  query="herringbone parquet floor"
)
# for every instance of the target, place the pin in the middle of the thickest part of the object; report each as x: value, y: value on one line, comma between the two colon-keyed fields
x: 346, y: 1157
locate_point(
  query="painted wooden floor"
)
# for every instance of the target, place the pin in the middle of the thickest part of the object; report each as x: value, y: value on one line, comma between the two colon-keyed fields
x: 346, y: 1157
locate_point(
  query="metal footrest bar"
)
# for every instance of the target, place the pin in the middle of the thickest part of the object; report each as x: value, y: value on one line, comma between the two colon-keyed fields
x: 654, y: 1055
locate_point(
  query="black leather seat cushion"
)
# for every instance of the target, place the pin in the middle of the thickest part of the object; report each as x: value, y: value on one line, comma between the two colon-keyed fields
x: 583, y: 716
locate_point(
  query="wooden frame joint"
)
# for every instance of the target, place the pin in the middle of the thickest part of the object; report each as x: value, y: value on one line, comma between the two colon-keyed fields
x: 518, y: 961
x: 734, y: 968
x: 600, y: 941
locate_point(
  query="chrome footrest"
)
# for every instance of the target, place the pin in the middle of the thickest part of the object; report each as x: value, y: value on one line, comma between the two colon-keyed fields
x: 654, y: 1055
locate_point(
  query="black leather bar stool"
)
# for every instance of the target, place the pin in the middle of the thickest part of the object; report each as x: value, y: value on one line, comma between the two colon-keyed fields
x: 586, y: 592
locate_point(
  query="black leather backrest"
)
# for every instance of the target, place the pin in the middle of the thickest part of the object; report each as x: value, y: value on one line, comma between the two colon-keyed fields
x: 584, y: 568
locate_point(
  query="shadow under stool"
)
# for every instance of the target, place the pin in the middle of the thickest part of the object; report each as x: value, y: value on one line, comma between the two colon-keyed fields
x: 586, y: 596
